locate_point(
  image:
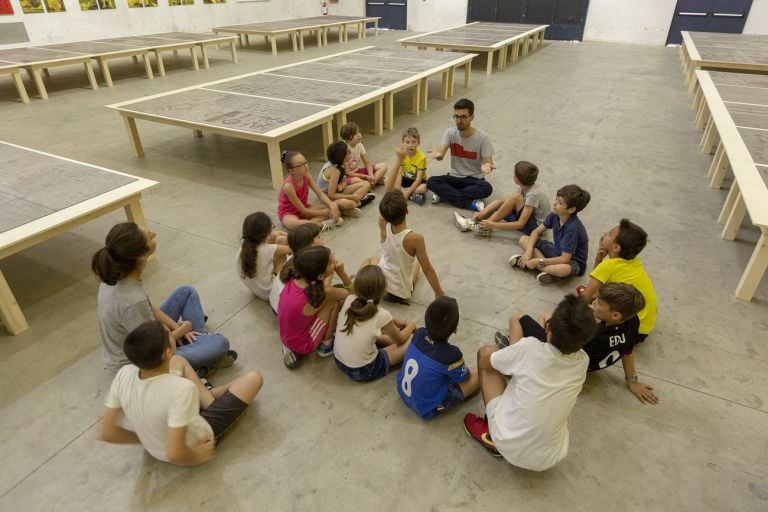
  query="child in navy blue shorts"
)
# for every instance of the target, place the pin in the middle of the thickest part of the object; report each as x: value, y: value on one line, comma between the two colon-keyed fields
x: 567, y: 256
x: 433, y: 377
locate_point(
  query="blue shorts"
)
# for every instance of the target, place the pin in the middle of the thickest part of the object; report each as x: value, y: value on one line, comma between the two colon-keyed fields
x: 376, y: 369
x: 547, y: 248
x: 530, y: 225
x: 455, y: 396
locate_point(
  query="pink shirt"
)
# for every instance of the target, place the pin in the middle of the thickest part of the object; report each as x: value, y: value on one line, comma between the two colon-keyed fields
x: 284, y: 204
x: 294, y: 326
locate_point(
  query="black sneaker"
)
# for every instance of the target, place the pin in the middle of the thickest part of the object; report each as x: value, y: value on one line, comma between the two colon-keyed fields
x: 389, y: 297
x: 202, y: 372
x: 208, y: 385
x: 367, y: 199
x: 226, y: 361
x: 501, y: 339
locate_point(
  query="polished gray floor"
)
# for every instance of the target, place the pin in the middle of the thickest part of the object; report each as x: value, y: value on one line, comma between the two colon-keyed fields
x: 614, y: 119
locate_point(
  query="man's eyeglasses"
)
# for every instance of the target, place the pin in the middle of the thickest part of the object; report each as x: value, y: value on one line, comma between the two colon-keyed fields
x: 460, y: 118
x: 302, y: 164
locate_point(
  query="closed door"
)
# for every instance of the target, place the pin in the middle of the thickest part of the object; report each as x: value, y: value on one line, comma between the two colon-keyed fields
x: 566, y: 18
x: 393, y: 13
x: 726, y: 16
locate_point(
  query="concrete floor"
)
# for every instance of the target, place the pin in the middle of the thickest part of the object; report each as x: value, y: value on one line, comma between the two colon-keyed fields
x: 614, y: 119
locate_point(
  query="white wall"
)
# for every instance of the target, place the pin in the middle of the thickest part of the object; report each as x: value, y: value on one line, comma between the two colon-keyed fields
x: 757, y: 22
x: 75, y: 25
x: 629, y: 21
x: 429, y: 15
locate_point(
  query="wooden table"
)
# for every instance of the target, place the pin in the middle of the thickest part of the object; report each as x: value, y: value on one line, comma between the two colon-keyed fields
x: 736, y: 112
x: 36, y: 60
x: 510, y: 40
x: 273, y: 105
x: 296, y: 28
x: 708, y: 50
x: 8, y: 68
x: 44, y: 195
x: 203, y: 41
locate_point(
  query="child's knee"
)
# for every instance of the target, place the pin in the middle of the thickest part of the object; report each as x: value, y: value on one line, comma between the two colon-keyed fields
x: 255, y: 380
x: 515, y: 317
x: 486, y: 350
x: 523, y: 242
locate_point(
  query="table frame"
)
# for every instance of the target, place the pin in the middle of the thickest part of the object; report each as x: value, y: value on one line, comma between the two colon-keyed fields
x: 127, y: 197
x: 693, y: 62
x: 14, y: 71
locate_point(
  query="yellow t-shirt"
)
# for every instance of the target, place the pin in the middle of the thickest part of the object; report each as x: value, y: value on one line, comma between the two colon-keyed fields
x: 619, y: 270
x: 412, y: 165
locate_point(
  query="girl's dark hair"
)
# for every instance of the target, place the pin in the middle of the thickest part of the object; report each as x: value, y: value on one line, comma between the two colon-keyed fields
x: 336, y: 154
x: 299, y: 238
x: 286, y: 157
x: 256, y: 228
x: 309, y: 265
x: 124, y: 245
x: 370, y: 286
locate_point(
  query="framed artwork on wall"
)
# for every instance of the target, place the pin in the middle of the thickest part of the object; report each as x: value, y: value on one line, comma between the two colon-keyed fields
x: 34, y: 6
x: 142, y: 3
x: 181, y: 2
x: 6, y: 7
x: 214, y: 1
x: 96, y: 5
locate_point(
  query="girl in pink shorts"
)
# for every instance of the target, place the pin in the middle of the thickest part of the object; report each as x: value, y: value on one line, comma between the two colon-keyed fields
x: 293, y: 207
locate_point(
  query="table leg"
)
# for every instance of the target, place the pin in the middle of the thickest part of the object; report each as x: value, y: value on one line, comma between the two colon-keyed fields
x: 46, y: 73
x: 692, y: 76
x: 133, y: 134
x: 702, y: 116
x: 451, y: 75
x: 197, y: 133
x: 148, y: 66
x: 273, y: 42
x: 233, y: 51
x: 719, y: 165
x: 327, y: 133
x: 755, y: 270
x: 489, y: 66
x: 204, y: 53
x: 35, y: 74
x: 91, y: 77
x: 10, y: 312
x: 266, y: 40
x: 104, y: 66
x: 275, y: 165
x: 247, y: 40
x: 193, y: 54
x: 730, y: 199
x: 735, y: 218
x: 706, y: 139
x: 361, y: 30
x: 376, y: 27
x: 389, y: 107
x: 294, y: 41
x: 134, y: 213
x: 301, y: 41
x: 160, y: 63
x: 341, y: 119
x: 444, y: 86
x: 467, y: 74
x: 416, y: 98
x: 20, y: 87
x: 500, y: 63
x: 515, y: 52
x: 424, y: 91
x: 319, y: 35
x: 378, y: 116
x: 697, y: 98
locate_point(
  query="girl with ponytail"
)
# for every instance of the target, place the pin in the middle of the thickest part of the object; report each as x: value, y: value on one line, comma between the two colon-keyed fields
x: 299, y: 237
x: 124, y: 305
x: 308, y: 308
x: 293, y: 207
x: 364, y: 326
x: 262, y: 254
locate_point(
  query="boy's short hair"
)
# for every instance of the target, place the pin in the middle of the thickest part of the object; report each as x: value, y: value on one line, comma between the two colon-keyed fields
x: 393, y: 207
x: 526, y: 173
x: 348, y: 130
x: 572, y: 325
x: 622, y: 298
x: 465, y: 104
x: 442, y: 318
x: 632, y: 239
x: 574, y: 197
x: 411, y: 132
x: 144, y: 346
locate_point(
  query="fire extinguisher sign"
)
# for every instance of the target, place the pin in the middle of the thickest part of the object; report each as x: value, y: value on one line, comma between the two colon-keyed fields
x: 324, y: 5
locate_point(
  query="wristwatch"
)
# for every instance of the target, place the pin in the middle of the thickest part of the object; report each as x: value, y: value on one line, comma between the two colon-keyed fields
x: 631, y: 379
x: 541, y: 262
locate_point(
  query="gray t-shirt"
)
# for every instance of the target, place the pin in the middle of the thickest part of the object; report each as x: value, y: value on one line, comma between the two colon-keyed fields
x: 467, y: 153
x: 537, y: 199
x: 122, y: 308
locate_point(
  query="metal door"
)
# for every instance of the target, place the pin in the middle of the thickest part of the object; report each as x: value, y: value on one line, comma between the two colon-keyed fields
x: 726, y: 16
x: 481, y: 10
x: 566, y: 18
x: 393, y: 13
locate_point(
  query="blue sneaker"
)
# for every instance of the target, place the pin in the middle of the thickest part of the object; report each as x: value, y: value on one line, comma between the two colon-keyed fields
x: 477, y: 205
x: 417, y: 198
x: 325, y: 349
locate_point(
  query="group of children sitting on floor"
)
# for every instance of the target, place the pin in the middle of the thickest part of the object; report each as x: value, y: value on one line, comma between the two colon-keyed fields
x: 178, y: 415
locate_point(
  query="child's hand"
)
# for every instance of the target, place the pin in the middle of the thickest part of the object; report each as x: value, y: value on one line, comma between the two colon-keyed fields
x: 205, y: 450
x: 334, y: 212
x: 532, y: 264
x: 436, y: 155
x: 400, y: 150
x: 338, y: 266
x: 487, y: 224
x: 398, y: 323
x: 643, y: 392
x: 487, y: 168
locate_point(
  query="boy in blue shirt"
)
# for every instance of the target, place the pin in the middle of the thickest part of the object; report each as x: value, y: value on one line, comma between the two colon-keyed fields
x: 567, y: 256
x: 433, y: 377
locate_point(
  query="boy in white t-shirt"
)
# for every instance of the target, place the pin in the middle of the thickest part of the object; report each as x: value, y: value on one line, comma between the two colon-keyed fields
x: 364, y: 168
x: 172, y: 413
x: 527, y: 417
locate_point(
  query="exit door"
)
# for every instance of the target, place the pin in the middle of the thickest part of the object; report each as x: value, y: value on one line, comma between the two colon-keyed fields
x: 726, y: 16
x: 566, y: 18
x: 393, y: 13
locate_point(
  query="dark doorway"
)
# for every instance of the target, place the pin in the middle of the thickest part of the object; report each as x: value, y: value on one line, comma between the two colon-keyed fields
x: 393, y: 13
x: 726, y: 16
x: 566, y: 18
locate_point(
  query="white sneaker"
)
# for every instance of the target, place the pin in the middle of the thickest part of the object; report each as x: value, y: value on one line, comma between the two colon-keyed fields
x: 328, y: 225
x: 354, y: 213
x: 463, y: 223
x: 435, y: 198
x: 514, y: 259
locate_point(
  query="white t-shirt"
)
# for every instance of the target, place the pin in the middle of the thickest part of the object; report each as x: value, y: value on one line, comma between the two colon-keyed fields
x: 154, y: 405
x: 529, y: 421
x: 357, y: 154
x: 261, y: 283
x: 358, y: 348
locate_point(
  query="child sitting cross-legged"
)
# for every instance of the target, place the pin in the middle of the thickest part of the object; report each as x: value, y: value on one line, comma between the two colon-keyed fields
x: 526, y: 417
x: 615, y: 310
x: 299, y: 237
x: 171, y: 412
x: 308, y: 307
x: 364, y: 326
x: 293, y: 206
x: 262, y: 254
x: 433, y: 377
x: 410, y: 168
x: 360, y: 165
x: 567, y: 256
x: 347, y: 193
x: 522, y: 210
